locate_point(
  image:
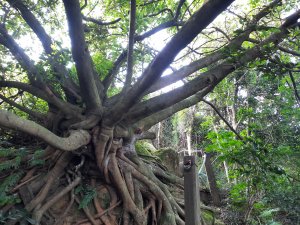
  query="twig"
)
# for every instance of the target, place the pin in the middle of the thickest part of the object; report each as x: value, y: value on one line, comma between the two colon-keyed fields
x: 25, y: 182
x: 99, y: 22
x: 227, y: 123
x: 130, y: 45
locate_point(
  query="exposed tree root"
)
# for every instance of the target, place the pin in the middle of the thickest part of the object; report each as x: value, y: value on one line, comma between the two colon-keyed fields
x: 142, y: 188
x: 62, y: 162
x: 72, y: 199
x: 37, y: 215
x: 25, y: 182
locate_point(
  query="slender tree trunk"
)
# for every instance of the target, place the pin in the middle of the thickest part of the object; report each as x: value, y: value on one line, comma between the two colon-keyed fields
x: 212, y: 181
x: 226, y: 171
x: 188, y: 141
x: 158, y: 135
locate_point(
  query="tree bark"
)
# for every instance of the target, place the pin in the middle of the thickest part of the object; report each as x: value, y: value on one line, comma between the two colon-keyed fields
x: 76, y: 139
x: 90, y: 85
x: 212, y: 180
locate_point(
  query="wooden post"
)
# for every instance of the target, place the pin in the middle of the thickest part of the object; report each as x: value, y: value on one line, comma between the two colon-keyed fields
x: 191, y: 192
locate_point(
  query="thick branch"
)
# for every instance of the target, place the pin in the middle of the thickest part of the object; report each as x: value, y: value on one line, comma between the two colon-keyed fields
x: 130, y: 45
x: 207, y: 13
x: 107, y: 81
x: 46, y: 95
x: 33, y: 23
x: 109, y: 78
x: 34, y: 75
x: 148, y: 122
x: 83, y: 62
x: 60, y: 71
x: 114, y: 70
x: 76, y: 139
x: 203, y: 62
x: 25, y: 87
x: 213, y: 57
x: 155, y: 104
x: 209, y: 78
x: 7, y: 41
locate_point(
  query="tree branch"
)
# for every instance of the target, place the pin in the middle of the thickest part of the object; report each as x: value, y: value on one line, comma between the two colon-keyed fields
x: 130, y: 46
x: 225, y: 121
x: 160, y: 12
x: 47, y: 96
x: 60, y: 71
x: 35, y: 114
x: 281, y: 48
x: 213, y: 57
x: 99, y: 22
x: 111, y: 74
x: 156, y: 29
x: 294, y: 86
x: 150, y: 2
x: 25, y: 87
x: 222, y: 32
x: 34, y: 75
x: 7, y: 41
x: 107, y: 81
x: 83, y: 62
x: 177, y: 13
x: 209, y: 78
x: 33, y: 23
x: 289, y: 51
x: 148, y: 122
x: 207, y: 13
x: 114, y: 70
x: 76, y: 139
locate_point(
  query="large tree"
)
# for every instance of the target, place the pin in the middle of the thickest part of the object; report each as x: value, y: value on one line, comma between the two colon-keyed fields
x: 100, y: 97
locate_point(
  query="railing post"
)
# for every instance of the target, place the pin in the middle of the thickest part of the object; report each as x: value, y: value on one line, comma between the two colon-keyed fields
x: 191, y: 192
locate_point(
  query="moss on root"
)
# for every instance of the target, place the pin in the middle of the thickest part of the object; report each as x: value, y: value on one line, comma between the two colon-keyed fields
x: 208, y: 217
x: 144, y: 148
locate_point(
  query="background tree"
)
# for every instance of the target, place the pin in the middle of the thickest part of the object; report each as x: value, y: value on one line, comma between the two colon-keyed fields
x: 90, y: 101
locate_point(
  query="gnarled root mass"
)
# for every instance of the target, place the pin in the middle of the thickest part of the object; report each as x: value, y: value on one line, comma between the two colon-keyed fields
x: 104, y: 183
